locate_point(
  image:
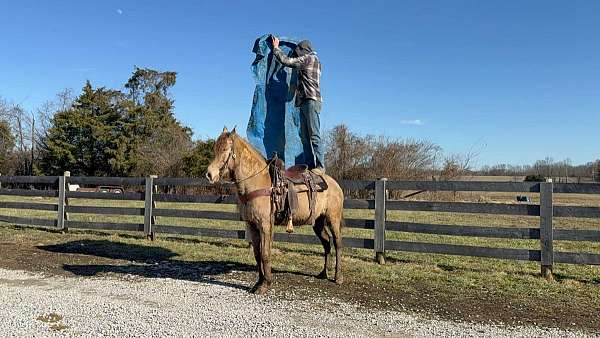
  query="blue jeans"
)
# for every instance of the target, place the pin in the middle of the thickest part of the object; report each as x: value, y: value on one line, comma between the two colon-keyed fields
x: 310, y: 126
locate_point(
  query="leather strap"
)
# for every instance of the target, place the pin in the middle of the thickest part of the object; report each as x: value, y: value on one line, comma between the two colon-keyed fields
x: 254, y: 194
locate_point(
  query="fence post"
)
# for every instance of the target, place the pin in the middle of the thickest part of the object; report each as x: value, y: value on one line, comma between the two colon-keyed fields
x: 154, y: 191
x: 148, y: 207
x: 380, y: 216
x: 62, y: 217
x: 546, y: 230
x: 67, y: 175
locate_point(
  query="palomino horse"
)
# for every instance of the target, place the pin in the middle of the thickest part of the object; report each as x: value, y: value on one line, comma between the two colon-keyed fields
x: 236, y: 160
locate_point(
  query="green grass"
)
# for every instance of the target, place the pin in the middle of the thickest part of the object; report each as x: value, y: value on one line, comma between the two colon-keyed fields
x: 442, y: 276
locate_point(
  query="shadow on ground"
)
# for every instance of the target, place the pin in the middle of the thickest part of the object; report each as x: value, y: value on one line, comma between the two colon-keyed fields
x: 102, y: 255
x: 144, y: 261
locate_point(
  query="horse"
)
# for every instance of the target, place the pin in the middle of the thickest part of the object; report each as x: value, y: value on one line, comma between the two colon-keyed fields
x: 239, y: 162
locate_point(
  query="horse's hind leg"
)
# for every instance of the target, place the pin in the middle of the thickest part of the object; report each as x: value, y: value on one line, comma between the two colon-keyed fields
x: 321, y: 232
x: 335, y: 225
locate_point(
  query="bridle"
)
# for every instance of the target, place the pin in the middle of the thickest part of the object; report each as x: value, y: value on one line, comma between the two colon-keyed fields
x: 245, y: 198
x: 232, y: 156
x: 229, y: 157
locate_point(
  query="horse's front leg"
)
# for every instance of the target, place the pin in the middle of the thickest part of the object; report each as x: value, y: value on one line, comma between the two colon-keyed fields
x: 266, y: 240
x: 255, y: 238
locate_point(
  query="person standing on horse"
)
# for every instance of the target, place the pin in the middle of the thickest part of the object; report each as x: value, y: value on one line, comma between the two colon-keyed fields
x: 308, y: 98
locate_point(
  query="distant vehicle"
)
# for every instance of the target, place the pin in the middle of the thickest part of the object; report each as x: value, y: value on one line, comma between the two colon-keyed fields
x: 523, y: 199
x: 112, y: 189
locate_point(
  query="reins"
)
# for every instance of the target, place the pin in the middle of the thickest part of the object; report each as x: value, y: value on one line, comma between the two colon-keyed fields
x: 255, y: 174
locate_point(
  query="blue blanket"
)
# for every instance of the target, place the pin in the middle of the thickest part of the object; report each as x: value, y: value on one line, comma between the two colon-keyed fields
x: 274, y: 125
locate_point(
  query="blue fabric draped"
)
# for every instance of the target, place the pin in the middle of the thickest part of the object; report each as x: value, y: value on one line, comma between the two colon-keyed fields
x: 274, y: 125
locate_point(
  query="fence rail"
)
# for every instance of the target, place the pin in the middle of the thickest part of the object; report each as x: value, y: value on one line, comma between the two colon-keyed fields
x: 545, y: 211
x: 461, y: 207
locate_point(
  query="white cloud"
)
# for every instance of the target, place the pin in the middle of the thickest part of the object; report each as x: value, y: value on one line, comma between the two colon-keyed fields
x: 413, y: 122
x: 119, y: 11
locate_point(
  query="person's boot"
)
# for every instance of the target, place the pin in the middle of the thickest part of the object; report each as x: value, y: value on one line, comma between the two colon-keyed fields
x: 319, y: 170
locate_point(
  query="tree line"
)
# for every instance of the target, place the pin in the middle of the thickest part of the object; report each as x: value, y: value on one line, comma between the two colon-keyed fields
x: 548, y: 168
x: 351, y: 156
x: 103, y: 132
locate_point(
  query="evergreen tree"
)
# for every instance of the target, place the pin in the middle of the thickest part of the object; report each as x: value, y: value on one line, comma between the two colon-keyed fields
x: 197, y: 161
x: 102, y: 132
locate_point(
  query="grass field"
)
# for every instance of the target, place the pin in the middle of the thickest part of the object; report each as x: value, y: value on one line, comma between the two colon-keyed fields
x: 459, y: 287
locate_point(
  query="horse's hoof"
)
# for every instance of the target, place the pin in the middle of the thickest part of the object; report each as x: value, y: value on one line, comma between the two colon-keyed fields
x: 261, y: 291
x: 322, y: 275
x: 255, y: 287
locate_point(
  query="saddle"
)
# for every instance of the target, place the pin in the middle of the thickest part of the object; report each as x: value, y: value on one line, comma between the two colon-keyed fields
x: 287, y: 184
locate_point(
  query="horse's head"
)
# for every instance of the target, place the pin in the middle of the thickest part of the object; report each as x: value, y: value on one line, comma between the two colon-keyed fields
x: 224, y: 156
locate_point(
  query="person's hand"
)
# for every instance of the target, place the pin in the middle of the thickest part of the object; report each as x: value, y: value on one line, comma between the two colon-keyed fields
x: 275, y: 41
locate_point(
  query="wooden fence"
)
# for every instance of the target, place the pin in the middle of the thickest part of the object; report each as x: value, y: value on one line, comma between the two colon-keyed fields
x: 546, y: 212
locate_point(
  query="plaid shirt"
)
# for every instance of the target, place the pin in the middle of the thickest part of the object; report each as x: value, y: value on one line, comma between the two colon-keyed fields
x: 309, y: 75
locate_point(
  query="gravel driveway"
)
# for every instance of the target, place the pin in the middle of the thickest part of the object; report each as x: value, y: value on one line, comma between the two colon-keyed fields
x: 34, y: 305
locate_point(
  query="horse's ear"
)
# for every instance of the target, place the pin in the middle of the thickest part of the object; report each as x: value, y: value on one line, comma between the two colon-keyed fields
x: 225, y: 130
x: 233, y: 131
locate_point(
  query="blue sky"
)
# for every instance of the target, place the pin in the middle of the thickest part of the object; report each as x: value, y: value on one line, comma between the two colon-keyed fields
x: 514, y: 80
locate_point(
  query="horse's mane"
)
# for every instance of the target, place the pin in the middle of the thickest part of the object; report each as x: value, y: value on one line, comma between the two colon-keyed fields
x: 240, y: 141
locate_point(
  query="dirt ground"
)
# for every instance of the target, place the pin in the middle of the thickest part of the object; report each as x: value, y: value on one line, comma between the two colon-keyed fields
x: 100, y: 257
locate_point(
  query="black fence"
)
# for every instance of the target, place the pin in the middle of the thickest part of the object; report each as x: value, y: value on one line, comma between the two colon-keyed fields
x: 147, y: 191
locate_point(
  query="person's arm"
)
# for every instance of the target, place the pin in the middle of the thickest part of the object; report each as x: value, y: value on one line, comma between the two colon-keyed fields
x: 286, y: 60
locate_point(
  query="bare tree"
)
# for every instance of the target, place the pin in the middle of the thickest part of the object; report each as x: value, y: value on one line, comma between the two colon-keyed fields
x: 347, y: 154
x: 403, y: 159
x: 44, y: 117
x: 350, y: 156
x: 20, y: 124
x: 28, y: 128
x: 64, y: 99
x: 163, y: 153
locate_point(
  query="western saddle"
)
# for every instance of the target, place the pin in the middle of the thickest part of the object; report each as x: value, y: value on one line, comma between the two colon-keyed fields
x: 286, y: 184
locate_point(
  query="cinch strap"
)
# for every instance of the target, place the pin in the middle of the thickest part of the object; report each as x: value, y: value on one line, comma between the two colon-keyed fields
x: 254, y: 194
